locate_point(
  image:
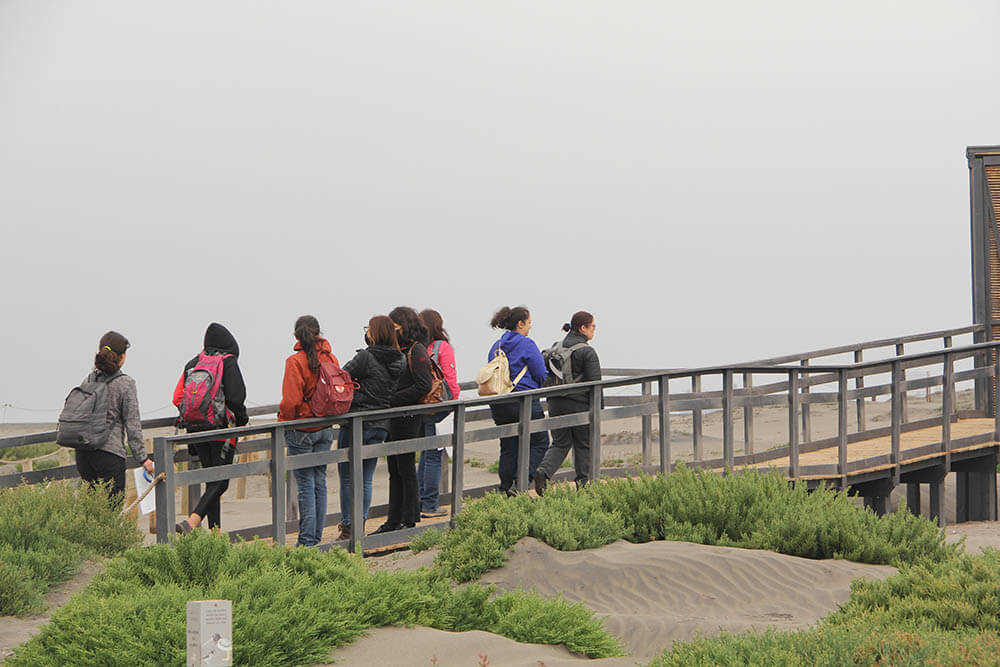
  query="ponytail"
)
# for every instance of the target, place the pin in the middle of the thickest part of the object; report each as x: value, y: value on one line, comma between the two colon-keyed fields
x: 507, y: 318
x: 110, y: 349
x: 307, y: 332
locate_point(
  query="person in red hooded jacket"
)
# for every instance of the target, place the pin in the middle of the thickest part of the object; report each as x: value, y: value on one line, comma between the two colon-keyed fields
x: 218, y: 341
x: 301, y: 376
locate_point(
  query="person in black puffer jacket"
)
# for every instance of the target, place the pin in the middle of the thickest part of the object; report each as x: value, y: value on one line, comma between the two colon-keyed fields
x: 586, y: 367
x: 414, y: 383
x: 217, y: 341
x: 376, y: 369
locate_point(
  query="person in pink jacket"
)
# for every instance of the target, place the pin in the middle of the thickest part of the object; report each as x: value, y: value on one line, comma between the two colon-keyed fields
x: 429, y: 470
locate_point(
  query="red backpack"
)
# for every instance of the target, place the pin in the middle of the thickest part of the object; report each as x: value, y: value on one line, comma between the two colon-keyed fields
x: 334, y: 390
x: 203, y: 406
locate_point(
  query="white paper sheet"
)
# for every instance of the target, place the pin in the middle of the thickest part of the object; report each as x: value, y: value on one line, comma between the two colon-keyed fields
x: 142, y: 482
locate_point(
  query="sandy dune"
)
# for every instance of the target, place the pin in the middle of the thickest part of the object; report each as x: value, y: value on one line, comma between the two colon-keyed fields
x: 648, y: 594
x: 651, y: 594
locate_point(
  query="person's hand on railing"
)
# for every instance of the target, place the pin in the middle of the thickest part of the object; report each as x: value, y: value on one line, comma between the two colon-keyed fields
x: 148, y: 465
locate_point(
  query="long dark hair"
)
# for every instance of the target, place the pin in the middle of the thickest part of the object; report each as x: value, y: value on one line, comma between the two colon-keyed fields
x: 382, y: 331
x: 307, y: 332
x: 507, y: 318
x: 110, y: 349
x: 581, y: 318
x: 435, y: 325
x: 413, y: 330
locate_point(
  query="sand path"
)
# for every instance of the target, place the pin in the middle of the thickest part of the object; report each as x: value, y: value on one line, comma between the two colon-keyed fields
x: 15, y: 630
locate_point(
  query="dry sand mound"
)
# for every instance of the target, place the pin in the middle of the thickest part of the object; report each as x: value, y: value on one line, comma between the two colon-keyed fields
x: 651, y: 594
x: 419, y: 647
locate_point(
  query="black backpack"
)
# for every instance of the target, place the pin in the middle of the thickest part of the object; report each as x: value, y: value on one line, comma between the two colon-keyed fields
x: 83, y: 422
x: 559, y: 361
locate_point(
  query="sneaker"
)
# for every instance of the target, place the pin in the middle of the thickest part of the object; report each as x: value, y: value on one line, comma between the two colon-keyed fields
x: 345, y: 532
x: 183, y: 527
x: 541, y: 481
x: 433, y: 514
x: 511, y: 492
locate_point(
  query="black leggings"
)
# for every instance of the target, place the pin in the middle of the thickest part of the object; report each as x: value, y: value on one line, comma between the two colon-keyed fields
x: 209, y: 508
x: 404, y: 500
x: 99, y: 466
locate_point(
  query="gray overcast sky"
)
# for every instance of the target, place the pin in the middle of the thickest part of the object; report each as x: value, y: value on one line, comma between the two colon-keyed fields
x: 715, y: 181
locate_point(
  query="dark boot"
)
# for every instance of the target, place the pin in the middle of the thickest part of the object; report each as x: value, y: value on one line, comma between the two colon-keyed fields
x: 541, y: 481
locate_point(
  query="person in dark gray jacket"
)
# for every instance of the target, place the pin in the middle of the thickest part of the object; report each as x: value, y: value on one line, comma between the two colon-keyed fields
x: 585, y: 367
x: 107, y: 463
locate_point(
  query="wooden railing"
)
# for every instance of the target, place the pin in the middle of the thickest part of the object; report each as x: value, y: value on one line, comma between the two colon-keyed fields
x: 656, y: 394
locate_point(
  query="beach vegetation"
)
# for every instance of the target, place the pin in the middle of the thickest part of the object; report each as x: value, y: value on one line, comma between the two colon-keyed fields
x: 47, y: 532
x: 750, y: 509
x: 943, y: 613
x: 31, y: 451
x: 290, y: 607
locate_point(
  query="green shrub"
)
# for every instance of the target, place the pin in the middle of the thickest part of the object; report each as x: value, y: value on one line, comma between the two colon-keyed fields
x: 751, y: 509
x: 859, y: 644
x: 290, y: 607
x: 47, y: 532
x: 428, y: 539
x: 45, y: 464
x: 28, y: 451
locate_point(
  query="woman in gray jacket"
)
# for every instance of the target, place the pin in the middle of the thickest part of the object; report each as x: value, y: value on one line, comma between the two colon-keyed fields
x: 107, y: 463
x: 585, y: 367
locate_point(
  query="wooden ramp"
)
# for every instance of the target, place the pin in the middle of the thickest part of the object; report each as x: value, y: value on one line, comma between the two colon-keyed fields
x: 924, y: 458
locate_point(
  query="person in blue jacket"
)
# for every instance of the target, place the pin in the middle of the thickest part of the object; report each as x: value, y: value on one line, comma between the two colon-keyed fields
x: 521, y: 352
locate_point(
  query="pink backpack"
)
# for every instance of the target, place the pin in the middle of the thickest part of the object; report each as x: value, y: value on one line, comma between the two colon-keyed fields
x: 203, y: 406
x: 334, y: 391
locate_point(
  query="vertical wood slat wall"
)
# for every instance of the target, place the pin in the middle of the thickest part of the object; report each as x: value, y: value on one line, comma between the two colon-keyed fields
x: 992, y: 191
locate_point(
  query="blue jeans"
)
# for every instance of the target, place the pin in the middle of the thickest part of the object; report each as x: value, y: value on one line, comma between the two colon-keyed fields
x: 311, y: 483
x: 429, y: 471
x: 370, y: 436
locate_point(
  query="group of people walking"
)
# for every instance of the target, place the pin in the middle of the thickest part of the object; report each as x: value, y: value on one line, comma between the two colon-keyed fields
x: 395, y: 368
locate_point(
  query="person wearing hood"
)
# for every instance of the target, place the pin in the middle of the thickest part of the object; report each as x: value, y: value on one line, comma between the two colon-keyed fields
x: 301, y: 377
x: 522, y: 355
x: 586, y: 367
x: 218, y: 342
x: 376, y: 369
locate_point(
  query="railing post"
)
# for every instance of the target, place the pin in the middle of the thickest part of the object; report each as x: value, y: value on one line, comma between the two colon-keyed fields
x: 896, y: 413
x: 947, y: 344
x: 842, y: 426
x: 793, y: 423
x: 595, y: 431
x: 647, y: 425
x: 664, y: 413
x: 904, y: 410
x: 163, y: 455
x: 524, y: 444
x: 279, y: 462
x: 947, y: 408
x: 727, y: 417
x: 748, y: 416
x: 696, y: 419
x: 859, y: 384
x: 193, y: 490
x: 806, y: 414
x: 457, y: 461
x: 996, y: 403
x: 357, y: 486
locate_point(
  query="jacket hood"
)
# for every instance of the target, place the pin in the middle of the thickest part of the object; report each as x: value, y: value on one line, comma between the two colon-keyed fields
x: 217, y: 337
x: 393, y: 360
x: 574, y: 338
x: 322, y: 345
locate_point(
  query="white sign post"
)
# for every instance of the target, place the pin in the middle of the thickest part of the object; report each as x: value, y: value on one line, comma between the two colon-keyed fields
x: 209, y: 633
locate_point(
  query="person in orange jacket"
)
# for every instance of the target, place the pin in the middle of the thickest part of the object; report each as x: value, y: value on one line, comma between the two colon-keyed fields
x: 301, y: 376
